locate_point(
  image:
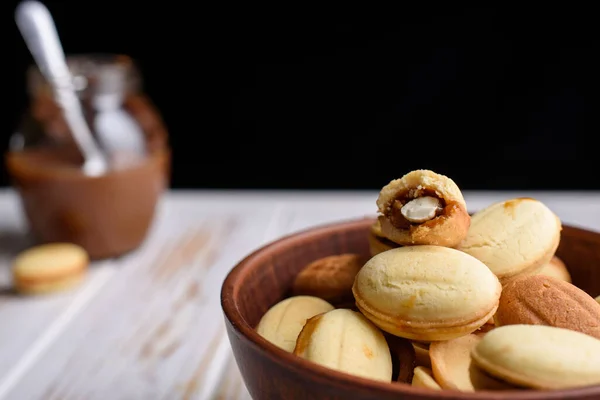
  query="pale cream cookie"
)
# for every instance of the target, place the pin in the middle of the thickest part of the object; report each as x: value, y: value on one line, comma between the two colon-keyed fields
x: 346, y: 341
x: 282, y: 323
x: 426, y: 293
x: 49, y: 268
x: 513, y: 237
x: 423, y: 377
x: 539, y: 356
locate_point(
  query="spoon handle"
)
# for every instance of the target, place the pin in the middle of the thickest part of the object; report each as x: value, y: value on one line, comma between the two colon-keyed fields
x: 39, y: 32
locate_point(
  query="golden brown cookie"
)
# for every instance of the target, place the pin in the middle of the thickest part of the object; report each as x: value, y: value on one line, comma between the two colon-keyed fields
x: 49, y: 268
x: 329, y: 278
x: 423, y: 208
x: 556, y: 268
x: 543, y: 300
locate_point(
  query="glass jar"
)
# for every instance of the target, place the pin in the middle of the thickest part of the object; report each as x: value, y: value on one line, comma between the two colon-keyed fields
x: 108, y: 215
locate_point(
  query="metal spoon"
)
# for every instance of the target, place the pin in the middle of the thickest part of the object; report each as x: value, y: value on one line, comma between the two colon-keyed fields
x: 37, y: 28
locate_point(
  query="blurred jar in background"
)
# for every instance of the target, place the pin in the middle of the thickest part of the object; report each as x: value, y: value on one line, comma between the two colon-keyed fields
x: 108, y: 215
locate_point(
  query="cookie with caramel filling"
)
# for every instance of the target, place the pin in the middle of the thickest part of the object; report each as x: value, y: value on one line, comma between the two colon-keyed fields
x: 423, y: 208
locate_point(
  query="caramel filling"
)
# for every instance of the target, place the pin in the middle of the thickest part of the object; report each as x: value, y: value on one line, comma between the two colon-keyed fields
x: 394, y: 212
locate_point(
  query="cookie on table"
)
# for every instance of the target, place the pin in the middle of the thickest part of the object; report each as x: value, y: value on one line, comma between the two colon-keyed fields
x: 423, y: 208
x: 49, y: 268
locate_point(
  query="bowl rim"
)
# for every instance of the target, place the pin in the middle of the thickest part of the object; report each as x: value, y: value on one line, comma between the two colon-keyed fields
x: 336, y: 378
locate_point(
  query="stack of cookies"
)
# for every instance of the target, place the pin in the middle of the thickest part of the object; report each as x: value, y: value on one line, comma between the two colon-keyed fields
x: 446, y: 300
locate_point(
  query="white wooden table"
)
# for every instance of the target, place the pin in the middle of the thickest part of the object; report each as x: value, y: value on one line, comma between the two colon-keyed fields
x: 149, y: 325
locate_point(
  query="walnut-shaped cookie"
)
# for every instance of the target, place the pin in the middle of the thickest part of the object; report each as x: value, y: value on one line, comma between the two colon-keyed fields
x: 329, y: 278
x: 423, y: 208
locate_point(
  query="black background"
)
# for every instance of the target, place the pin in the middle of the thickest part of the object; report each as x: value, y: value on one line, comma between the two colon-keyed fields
x: 279, y: 97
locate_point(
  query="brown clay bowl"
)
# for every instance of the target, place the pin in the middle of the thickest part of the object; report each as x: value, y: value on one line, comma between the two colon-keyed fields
x: 264, y: 278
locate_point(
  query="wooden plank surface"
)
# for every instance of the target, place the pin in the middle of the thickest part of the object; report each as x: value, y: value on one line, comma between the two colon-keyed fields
x: 150, y: 332
x: 149, y: 325
x: 30, y: 323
